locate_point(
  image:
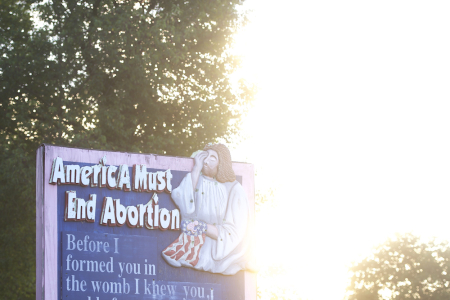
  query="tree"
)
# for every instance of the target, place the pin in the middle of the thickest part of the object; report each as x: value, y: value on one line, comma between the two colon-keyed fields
x: 273, y: 285
x: 153, y: 75
x: 23, y: 67
x: 140, y: 76
x: 403, y: 268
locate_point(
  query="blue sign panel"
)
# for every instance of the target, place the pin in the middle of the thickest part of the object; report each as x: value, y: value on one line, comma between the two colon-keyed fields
x: 108, y: 266
x: 112, y: 242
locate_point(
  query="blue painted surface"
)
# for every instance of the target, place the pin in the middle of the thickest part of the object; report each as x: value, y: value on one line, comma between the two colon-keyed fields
x: 139, y: 244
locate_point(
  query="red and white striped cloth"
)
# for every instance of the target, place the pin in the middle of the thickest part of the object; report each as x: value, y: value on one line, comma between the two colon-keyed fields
x: 186, y: 247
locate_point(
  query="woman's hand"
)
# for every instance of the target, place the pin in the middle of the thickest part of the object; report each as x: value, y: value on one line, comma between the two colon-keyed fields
x: 199, y: 159
x: 212, y: 231
x: 198, y: 166
x: 191, y: 226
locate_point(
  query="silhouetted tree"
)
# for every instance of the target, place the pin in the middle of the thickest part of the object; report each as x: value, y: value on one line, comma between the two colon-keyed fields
x: 140, y: 76
x: 403, y: 268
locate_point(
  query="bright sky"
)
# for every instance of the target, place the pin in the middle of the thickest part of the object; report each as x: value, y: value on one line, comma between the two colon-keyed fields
x: 352, y: 126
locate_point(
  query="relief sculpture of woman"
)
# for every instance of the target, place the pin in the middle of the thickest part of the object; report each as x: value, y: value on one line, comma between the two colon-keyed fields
x: 215, y: 216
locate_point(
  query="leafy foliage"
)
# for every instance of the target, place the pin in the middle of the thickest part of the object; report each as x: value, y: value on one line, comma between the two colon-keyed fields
x: 22, y: 67
x: 150, y: 76
x: 17, y: 262
x: 403, y: 268
x: 140, y: 76
x: 274, y: 285
x: 266, y: 197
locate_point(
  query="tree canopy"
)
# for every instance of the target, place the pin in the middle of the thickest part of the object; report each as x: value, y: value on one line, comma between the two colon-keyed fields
x: 139, y: 76
x: 403, y: 268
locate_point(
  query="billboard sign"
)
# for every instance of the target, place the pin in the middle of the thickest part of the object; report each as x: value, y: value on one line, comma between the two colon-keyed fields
x: 112, y: 225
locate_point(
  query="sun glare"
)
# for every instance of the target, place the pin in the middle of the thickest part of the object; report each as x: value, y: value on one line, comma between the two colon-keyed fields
x: 350, y: 128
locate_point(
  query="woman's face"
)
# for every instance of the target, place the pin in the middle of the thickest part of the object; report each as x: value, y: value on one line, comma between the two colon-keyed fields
x: 211, y: 164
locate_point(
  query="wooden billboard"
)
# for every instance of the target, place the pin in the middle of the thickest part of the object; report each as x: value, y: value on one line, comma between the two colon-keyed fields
x: 113, y: 225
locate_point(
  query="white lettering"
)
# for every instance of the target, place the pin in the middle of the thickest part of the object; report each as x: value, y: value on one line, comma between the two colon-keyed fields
x: 137, y: 285
x: 132, y: 216
x: 86, y: 173
x: 70, y: 211
x: 175, y: 219
x: 105, y: 289
x: 123, y: 181
x: 148, y: 217
x: 81, y: 209
x: 95, y: 175
x: 68, y: 261
x: 106, y: 247
x: 73, y: 173
x: 70, y: 241
x: 140, y: 178
x: 96, y: 286
x: 57, y: 173
x: 109, y: 266
x: 151, y: 182
x: 164, y: 218
x: 202, y: 294
x: 86, y: 238
x: 92, y: 246
x: 90, y: 208
x: 146, y: 287
x: 102, y: 266
x: 171, y: 289
x: 111, y: 177
x: 193, y: 292
x: 121, y: 212
x: 103, y: 176
x: 121, y: 269
x: 168, y: 181
x: 116, y: 243
x: 108, y: 215
x: 142, y: 209
x: 161, y: 181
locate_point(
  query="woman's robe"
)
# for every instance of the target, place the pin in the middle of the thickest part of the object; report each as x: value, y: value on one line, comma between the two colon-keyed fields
x: 223, y: 205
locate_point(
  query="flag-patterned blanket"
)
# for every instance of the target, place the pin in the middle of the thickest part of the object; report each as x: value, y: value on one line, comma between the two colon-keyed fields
x: 187, y: 246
